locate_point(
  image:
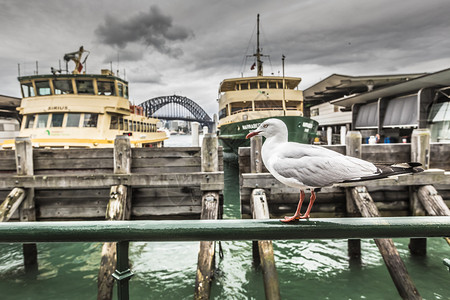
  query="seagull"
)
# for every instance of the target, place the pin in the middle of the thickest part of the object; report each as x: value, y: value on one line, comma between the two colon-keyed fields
x: 305, y: 166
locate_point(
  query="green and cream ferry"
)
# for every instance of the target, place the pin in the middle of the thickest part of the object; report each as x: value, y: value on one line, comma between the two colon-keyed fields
x: 246, y: 102
x: 76, y: 110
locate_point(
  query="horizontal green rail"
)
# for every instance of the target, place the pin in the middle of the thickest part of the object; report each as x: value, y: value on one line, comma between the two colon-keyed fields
x: 215, y: 230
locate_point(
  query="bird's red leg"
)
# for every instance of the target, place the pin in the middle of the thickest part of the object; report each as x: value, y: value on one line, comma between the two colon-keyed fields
x: 311, y: 202
x: 297, y: 214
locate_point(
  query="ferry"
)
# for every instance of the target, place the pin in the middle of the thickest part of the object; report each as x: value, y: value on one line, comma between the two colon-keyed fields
x: 79, y: 110
x: 246, y: 102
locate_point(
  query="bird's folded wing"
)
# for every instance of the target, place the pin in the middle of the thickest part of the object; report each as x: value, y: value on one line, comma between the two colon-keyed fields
x: 319, y: 171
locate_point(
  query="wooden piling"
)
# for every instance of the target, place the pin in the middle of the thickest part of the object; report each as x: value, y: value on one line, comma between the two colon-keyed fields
x: 262, y: 250
x: 27, y: 212
x: 391, y: 257
x: 353, y: 148
x: 210, y: 211
x: 119, y: 208
x: 267, y: 260
x: 420, y: 152
x: 11, y: 204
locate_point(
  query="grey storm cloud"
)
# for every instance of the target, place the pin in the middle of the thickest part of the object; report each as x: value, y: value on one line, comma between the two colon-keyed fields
x: 152, y: 28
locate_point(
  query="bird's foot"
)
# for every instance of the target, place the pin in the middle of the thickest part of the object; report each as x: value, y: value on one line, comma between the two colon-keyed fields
x: 291, y: 219
x: 294, y: 218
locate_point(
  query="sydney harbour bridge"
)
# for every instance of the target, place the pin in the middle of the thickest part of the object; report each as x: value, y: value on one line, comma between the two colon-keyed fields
x: 176, y: 108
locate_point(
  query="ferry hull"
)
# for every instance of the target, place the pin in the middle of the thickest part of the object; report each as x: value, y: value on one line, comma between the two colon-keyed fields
x: 232, y: 135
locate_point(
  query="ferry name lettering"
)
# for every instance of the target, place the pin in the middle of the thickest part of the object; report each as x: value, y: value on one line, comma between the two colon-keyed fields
x: 57, y: 108
x: 250, y: 126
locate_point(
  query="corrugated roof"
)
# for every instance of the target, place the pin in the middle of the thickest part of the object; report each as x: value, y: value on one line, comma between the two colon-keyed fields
x: 440, y: 78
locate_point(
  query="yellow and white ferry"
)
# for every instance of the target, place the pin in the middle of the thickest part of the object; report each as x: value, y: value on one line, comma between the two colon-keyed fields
x: 79, y: 110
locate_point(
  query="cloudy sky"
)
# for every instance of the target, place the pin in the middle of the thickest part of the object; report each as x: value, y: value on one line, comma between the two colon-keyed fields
x: 188, y: 47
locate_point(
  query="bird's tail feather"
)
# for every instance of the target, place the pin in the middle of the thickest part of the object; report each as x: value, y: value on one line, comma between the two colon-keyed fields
x: 384, y: 171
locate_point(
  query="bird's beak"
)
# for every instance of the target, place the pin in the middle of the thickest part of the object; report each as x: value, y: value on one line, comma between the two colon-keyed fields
x: 253, y: 133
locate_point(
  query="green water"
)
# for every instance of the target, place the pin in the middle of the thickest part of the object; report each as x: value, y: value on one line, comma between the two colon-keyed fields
x: 307, y: 269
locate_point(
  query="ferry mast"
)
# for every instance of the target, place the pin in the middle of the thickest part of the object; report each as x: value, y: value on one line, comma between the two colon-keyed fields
x: 258, y: 53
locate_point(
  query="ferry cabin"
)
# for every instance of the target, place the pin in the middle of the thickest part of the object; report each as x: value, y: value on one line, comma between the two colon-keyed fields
x: 82, y: 111
x: 247, y: 98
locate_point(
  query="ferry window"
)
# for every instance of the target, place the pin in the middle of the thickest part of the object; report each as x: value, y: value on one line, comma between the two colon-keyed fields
x: 63, y: 86
x: 27, y: 89
x: 90, y: 120
x: 42, y: 121
x: 294, y: 105
x: 125, y: 91
x: 253, y: 85
x: 120, y: 124
x: 263, y: 84
x: 30, y: 121
x: 269, y: 105
x: 114, y: 122
x: 244, y: 86
x: 73, y: 120
x: 43, y: 88
x: 120, y: 87
x: 222, y: 113
x: 106, y: 88
x: 272, y: 85
x: 85, y: 87
x: 134, y: 126
x: 125, y: 125
x: 138, y: 125
x: 57, y: 120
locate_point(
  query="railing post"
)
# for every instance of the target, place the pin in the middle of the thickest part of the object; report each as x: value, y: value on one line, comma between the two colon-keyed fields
x: 27, y: 212
x: 122, y: 273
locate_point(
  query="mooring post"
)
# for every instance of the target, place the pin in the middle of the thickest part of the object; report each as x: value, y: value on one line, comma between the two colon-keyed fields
x: 353, y: 148
x: 210, y: 210
x: 395, y: 265
x: 119, y: 208
x: 27, y: 212
x: 420, y: 152
x: 195, y: 135
x: 255, y: 167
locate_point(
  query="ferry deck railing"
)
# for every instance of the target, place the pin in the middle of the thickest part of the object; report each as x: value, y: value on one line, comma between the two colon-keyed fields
x: 124, y: 232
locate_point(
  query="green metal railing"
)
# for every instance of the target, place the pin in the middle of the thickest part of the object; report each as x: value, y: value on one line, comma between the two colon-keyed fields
x: 217, y: 230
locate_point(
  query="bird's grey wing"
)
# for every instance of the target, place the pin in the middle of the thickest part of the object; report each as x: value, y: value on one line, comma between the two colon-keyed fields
x: 319, y: 171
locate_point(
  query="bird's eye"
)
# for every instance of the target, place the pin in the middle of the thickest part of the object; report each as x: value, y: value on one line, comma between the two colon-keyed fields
x: 265, y: 125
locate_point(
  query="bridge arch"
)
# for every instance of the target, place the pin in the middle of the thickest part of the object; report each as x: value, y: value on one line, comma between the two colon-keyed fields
x: 198, y: 114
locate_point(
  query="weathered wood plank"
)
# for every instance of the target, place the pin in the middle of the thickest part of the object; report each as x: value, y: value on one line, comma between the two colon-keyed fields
x: 440, y: 156
x: 135, y: 180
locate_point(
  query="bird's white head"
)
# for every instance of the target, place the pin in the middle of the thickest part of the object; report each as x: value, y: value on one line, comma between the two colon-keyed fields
x: 270, y: 128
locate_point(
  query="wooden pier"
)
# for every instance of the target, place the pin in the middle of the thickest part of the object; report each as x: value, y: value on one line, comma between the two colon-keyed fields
x: 121, y: 183
x: 426, y: 193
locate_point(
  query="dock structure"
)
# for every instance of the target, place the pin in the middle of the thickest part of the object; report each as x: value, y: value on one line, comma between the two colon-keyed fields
x: 426, y: 193
x: 121, y: 183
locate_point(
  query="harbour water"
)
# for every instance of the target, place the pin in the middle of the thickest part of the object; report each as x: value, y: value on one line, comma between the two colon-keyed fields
x: 308, y: 269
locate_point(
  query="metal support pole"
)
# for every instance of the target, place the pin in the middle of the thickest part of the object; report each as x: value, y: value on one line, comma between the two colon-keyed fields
x: 123, y: 272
